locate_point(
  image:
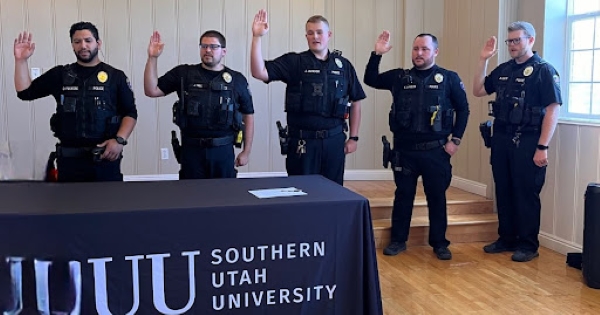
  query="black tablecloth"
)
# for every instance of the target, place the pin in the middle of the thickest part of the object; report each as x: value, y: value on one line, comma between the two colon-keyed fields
x: 190, y: 246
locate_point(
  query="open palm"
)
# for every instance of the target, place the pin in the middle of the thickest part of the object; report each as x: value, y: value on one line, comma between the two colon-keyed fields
x: 155, y: 48
x: 24, y: 47
x: 490, y: 48
x: 260, y: 25
x: 382, y: 45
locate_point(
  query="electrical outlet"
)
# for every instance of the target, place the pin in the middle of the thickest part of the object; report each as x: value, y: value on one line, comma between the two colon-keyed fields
x: 164, y: 153
x: 35, y: 72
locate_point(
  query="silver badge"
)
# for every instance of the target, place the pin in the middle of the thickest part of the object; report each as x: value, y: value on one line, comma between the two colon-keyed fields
x: 227, y: 77
x: 338, y: 62
x: 438, y: 78
x: 527, y: 72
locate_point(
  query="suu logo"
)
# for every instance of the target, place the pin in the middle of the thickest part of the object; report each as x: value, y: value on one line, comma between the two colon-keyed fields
x: 12, y: 302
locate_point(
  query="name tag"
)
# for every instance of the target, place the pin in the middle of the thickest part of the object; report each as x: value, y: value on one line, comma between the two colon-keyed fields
x: 98, y: 88
x: 520, y: 80
x: 433, y: 87
x: 312, y: 71
x: 336, y: 72
x: 410, y: 87
x: 70, y: 88
x: 503, y: 78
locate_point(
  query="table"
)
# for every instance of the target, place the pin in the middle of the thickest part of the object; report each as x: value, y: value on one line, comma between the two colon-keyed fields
x: 187, y: 247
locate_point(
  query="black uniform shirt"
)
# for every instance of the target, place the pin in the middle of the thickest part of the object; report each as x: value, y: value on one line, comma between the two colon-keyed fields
x: 51, y: 83
x: 171, y: 82
x: 542, y: 93
x: 455, y: 92
x: 288, y: 69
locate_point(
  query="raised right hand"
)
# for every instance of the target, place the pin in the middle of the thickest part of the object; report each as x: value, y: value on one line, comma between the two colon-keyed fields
x: 489, y: 49
x: 260, y: 26
x: 23, y: 48
x: 382, y: 45
x: 155, y: 48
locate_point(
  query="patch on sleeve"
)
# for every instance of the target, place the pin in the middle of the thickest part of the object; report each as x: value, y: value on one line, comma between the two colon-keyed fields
x: 129, y: 84
x: 556, y: 79
x: 249, y: 92
x: 462, y: 85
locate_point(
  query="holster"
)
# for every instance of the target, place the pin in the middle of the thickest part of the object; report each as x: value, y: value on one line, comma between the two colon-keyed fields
x: 387, y: 152
x: 485, y: 128
x: 283, y: 138
x: 176, y: 145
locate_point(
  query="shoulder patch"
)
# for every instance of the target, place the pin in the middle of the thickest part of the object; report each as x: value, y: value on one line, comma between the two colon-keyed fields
x: 556, y: 79
x: 462, y: 85
x: 128, y: 83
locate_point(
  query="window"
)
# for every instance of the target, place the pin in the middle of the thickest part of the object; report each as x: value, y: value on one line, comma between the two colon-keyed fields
x: 583, y: 53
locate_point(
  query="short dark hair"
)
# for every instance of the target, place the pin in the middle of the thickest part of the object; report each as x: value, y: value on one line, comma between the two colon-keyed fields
x: 434, y: 39
x: 215, y: 34
x: 526, y: 27
x: 79, y: 26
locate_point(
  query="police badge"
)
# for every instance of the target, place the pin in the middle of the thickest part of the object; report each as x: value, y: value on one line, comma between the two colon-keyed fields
x: 338, y: 62
x: 227, y: 77
x: 102, y: 76
x: 438, y: 78
x: 527, y: 71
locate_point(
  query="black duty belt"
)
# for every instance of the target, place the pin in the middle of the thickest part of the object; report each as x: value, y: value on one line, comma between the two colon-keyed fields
x: 207, y: 142
x: 421, y: 146
x: 78, y: 152
x: 510, y: 129
x: 315, y: 134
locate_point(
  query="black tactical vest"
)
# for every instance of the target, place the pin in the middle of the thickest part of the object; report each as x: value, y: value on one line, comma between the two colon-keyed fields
x: 322, y: 90
x: 208, y: 104
x: 85, y: 109
x: 517, y: 100
x: 421, y: 105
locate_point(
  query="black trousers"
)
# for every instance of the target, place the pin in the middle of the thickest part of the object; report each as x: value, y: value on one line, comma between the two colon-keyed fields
x: 199, y: 162
x: 518, y: 185
x: 436, y: 171
x: 323, y: 156
x: 85, y: 169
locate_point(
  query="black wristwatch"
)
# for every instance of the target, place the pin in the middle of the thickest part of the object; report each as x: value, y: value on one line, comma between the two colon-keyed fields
x: 353, y: 138
x: 121, y: 140
x: 542, y: 147
x: 455, y: 141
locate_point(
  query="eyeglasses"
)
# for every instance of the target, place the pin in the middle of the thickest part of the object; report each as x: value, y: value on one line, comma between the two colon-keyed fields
x: 211, y: 46
x: 515, y: 41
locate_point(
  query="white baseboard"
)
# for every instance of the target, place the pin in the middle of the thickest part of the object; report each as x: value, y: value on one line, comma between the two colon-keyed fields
x: 559, y: 245
x: 464, y: 184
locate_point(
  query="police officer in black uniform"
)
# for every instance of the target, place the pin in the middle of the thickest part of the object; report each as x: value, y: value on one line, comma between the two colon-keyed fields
x: 320, y: 84
x: 214, y: 106
x: 430, y: 105
x: 526, y: 111
x: 95, y: 112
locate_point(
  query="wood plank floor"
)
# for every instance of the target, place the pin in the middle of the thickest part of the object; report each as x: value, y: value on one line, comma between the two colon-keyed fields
x: 416, y: 282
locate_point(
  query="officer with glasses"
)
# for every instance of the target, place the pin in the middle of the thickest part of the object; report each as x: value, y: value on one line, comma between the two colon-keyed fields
x: 214, y: 105
x: 525, y: 112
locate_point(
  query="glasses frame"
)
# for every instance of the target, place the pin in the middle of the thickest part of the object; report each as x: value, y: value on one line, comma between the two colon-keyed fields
x: 515, y: 41
x: 211, y: 46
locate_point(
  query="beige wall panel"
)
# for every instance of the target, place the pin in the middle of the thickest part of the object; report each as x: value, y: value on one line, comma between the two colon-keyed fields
x: 166, y: 17
x: 414, y: 23
x: 587, y: 172
x: 65, y: 13
x: 189, y: 31
x: 212, y: 15
x: 118, y: 49
x: 299, y: 13
x: 549, y: 194
x: 568, y: 161
x: 365, y: 32
x: 94, y: 11
x: 266, y: 146
x: 20, y: 125
x: 144, y: 140
x: 43, y: 139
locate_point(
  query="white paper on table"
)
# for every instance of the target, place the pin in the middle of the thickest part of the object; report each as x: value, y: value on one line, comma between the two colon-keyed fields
x: 277, y: 192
